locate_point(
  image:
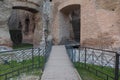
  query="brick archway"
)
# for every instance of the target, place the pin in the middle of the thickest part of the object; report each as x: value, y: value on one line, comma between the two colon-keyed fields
x: 70, y: 26
x: 68, y: 3
x: 88, y: 19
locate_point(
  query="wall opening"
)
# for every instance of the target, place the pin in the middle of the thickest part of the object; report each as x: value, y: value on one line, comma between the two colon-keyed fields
x: 16, y: 35
x: 75, y: 21
x: 27, y: 22
x: 70, y: 23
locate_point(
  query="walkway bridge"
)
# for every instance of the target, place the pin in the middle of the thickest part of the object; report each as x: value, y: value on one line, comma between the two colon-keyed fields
x: 59, y: 66
x: 102, y: 63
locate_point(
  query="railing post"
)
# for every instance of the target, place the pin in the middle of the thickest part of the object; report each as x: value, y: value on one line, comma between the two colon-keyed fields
x: 102, y: 59
x: 6, y: 77
x: 72, y: 54
x: 44, y: 54
x: 39, y: 57
x: 18, y: 72
x: 117, y: 67
x: 23, y: 55
x: 79, y: 54
x: 85, y: 56
x: 32, y: 58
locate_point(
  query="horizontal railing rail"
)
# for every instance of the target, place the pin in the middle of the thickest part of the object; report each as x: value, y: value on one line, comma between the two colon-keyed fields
x: 15, y: 62
x: 103, y: 63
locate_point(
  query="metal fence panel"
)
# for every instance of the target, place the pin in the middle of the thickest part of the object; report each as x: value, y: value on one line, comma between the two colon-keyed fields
x: 103, y: 63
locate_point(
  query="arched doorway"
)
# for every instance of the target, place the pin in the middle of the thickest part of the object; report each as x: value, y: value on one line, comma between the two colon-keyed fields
x: 16, y: 36
x: 75, y: 22
x: 70, y: 22
x: 15, y: 28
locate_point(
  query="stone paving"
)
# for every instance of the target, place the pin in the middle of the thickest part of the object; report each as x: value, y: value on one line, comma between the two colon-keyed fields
x: 59, y: 66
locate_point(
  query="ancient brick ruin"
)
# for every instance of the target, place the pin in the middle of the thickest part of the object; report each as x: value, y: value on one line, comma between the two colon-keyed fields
x: 25, y: 22
x: 88, y: 22
x: 99, y: 22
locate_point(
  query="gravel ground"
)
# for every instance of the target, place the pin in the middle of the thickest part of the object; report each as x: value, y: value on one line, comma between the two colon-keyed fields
x: 26, y: 77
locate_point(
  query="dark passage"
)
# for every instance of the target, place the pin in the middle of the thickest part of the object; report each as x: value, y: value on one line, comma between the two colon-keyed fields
x: 75, y: 15
x: 16, y: 36
x: 27, y: 22
x: 15, y: 28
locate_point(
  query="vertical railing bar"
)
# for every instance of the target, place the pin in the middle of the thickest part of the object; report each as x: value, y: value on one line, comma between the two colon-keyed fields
x: 85, y: 56
x: 79, y: 54
x: 72, y: 54
x: 116, y: 67
x: 32, y: 58
x: 5, y: 76
x: 39, y: 56
x: 107, y: 77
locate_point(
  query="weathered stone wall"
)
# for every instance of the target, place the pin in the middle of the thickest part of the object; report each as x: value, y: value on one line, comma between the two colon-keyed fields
x: 64, y: 28
x: 108, y: 20
x: 89, y: 26
x: 33, y: 14
x: 107, y: 12
x: 38, y: 32
x: 5, y: 9
x: 35, y: 21
x: 99, y: 22
x: 27, y: 36
x: 107, y: 4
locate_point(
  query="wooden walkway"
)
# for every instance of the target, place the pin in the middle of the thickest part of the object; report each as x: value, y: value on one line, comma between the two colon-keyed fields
x: 59, y: 66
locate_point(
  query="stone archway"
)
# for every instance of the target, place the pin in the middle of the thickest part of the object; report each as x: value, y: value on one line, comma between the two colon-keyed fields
x: 89, y: 27
x: 69, y: 21
x: 25, y: 22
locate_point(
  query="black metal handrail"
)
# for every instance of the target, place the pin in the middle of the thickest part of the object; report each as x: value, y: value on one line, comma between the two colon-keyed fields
x: 15, y: 62
x: 92, y: 58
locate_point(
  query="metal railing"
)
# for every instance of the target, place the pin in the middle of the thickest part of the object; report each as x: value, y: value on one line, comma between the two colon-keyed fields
x: 13, y: 63
x: 103, y: 63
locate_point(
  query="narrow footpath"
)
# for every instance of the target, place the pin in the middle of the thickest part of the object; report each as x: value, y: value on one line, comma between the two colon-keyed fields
x: 59, y: 66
